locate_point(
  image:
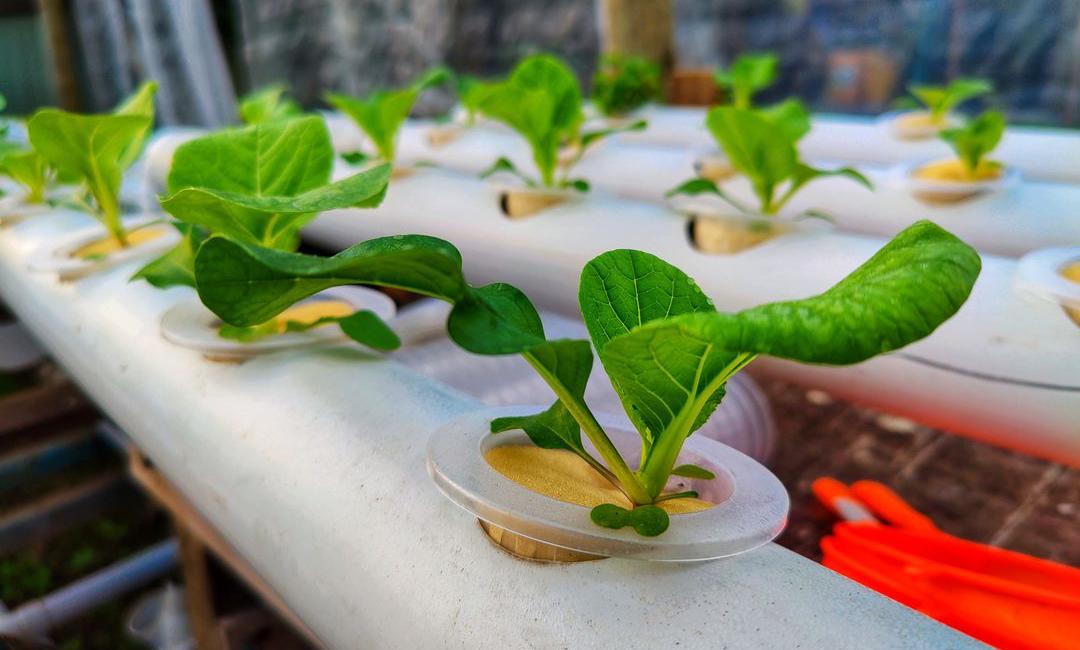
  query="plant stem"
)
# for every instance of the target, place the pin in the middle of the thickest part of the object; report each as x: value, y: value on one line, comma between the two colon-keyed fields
x: 627, y: 480
x: 656, y: 467
x: 689, y: 494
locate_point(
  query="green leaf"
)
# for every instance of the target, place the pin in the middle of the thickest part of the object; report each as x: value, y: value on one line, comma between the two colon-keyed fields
x: 623, y: 83
x: 790, y: 116
x: 622, y: 290
x: 974, y: 141
x: 471, y: 92
x: 247, y: 285
x: 27, y: 168
x: 748, y: 74
x: 693, y: 471
x: 175, y: 268
x: 268, y: 104
x: 647, y: 521
x: 942, y: 99
x: 355, y: 157
x: 592, y: 137
x: 542, y: 102
x: 697, y: 186
x: 665, y: 369
x: 92, y: 147
x: 503, y: 164
x: 364, y: 327
x: 381, y: 114
x: 274, y: 221
x: 495, y: 319
x: 271, y: 159
x: 756, y: 148
x: 141, y: 104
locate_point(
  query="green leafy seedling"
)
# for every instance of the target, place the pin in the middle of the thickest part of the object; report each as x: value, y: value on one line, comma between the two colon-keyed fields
x: 974, y: 141
x: 471, y: 92
x: 259, y: 185
x: 541, y: 100
x: 268, y: 104
x: 747, y: 75
x: 667, y: 350
x: 624, y: 83
x: 381, y: 114
x: 763, y: 148
x: 97, y: 149
x: 29, y: 169
x: 941, y: 100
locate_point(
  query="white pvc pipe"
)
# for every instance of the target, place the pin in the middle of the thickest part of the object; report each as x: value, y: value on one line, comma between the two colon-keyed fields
x: 1003, y: 370
x: 1041, y: 153
x: 1028, y: 216
x: 311, y: 464
x: 35, y: 618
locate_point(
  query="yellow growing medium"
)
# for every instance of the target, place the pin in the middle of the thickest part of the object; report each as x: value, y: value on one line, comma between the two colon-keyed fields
x: 1072, y: 272
x: 954, y: 171
x: 309, y: 312
x: 919, y: 120
x: 564, y: 476
x: 108, y: 245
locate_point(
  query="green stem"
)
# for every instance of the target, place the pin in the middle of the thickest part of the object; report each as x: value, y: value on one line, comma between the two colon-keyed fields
x: 627, y: 481
x: 657, y: 465
x: 689, y: 494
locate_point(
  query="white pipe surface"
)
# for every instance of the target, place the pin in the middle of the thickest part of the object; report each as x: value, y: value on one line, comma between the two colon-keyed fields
x: 1041, y: 153
x: 1004, y: 369
x: 311, y: 464
x: 1028, y: 216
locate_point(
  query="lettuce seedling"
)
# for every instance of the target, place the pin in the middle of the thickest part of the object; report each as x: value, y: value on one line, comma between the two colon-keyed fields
x: 941, y: 100
x: 27, y: 168
x: 624, y: 83
x: 259, y: 185
x: 974, y: 141
x: 268, y: 104
x: 747, y: 75
x: 381, y: 114
x: 541, y: 100
x: 762, y: 146
x: 470, y: 92
x: 97, y: 149
x: 666, y: 348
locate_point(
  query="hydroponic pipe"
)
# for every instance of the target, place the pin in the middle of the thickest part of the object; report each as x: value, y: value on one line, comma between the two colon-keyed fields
x: 1041, y: 153
x: 35, y: 618
x: 1003, y: 370
x: 311, y: 464
x: 1022, y: 218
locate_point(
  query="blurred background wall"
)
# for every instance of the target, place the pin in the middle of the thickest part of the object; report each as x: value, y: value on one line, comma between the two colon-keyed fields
x: 840, y: 55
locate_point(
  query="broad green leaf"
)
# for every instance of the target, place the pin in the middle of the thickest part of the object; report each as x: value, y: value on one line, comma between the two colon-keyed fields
x: 647, y: 521
x: 27, y: 168
x: 747, y: 75
x: 247, y: 285
x: 693, y: 471
x: 495, y: 319
x: 381, y: 114
x: 790, y: 116
x: 273, y: 221
x: 567, y: 363
x: 542, y: 102
x: 91, y: 147
x: 268, y: 104
x: 665, y: 368
x: 974, y: 141
x: 141, y: 104
x: 363, y: 326
x: 271, y: 159
x: 623, y: 83
x: 175, y: 268
x: 470, y: 92
x: 942, y: 99
x: 755, y: 147
x: 619, y: 292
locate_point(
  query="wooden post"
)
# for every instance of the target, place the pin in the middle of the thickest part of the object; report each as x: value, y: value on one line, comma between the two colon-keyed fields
x: 55, y: 17
x: 197, y: 590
